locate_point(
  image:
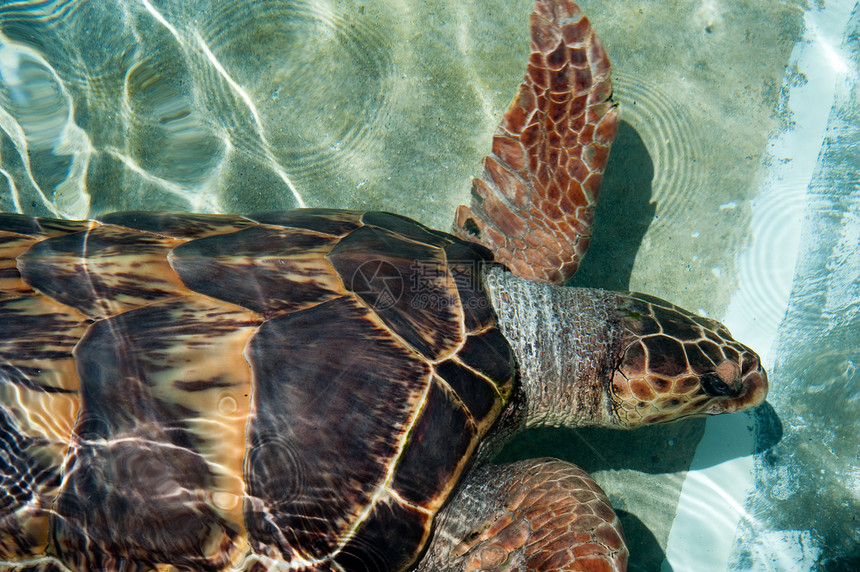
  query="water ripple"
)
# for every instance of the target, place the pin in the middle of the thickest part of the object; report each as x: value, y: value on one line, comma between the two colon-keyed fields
x: 47, y: 12
x: 768, y: 268
x: 277, y: 61
x: 37, y: 117
x: 671, y: 137
x: 181, y: 106
x: 320, y: 68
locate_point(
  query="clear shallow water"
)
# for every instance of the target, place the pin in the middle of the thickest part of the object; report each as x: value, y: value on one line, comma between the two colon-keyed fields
x: 733, y: 190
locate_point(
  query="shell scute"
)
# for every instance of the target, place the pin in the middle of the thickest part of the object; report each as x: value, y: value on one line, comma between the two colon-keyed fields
x: 139, y: 498
x: 478, y: 393
x: 12, y: 246
x: 429, y: 467
x: 265, y: 269
x: 30, y: 474
x: 41, y: 565
x: 407, y: 284
x: 371, y: 548
x: 326, y: 425
x: 334, y: 222
x: 150, y: 457
x: 466, y: 262
x: 406, y: 227
x: 102, y: 271
x: 41, y: 227
x: 489, y: 353
x: 38, y: 405
x: 177, y: 225
x: 39, y: 356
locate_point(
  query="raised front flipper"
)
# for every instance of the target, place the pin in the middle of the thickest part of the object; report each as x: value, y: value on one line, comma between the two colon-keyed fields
x: 539, y: 515
x: 534, y: 203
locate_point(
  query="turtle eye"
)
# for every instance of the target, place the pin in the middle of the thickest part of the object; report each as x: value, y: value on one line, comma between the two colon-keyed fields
x: 714, y: 386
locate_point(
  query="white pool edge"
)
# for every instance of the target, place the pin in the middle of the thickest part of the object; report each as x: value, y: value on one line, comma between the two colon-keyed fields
x: 711, y: 505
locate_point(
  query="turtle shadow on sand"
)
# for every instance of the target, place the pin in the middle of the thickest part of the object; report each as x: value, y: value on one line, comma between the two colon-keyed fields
x: 649, y: 554
x: 623, y: 214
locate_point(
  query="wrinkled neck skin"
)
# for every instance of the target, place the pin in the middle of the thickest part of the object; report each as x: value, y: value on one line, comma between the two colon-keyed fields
x: 566, y: 341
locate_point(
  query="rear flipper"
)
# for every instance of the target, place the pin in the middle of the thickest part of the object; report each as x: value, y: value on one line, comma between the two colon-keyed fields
x: 534, y: 516
x: 534, y: 203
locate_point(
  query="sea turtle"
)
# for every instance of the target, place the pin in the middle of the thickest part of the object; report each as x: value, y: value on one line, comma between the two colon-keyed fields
x: 321, y: 390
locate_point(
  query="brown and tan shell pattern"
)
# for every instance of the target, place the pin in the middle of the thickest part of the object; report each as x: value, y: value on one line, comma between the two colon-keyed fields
x: 296, y: 390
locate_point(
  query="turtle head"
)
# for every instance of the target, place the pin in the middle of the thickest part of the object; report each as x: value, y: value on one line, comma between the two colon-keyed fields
x: 589, y: 357
x: 675, y: 364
